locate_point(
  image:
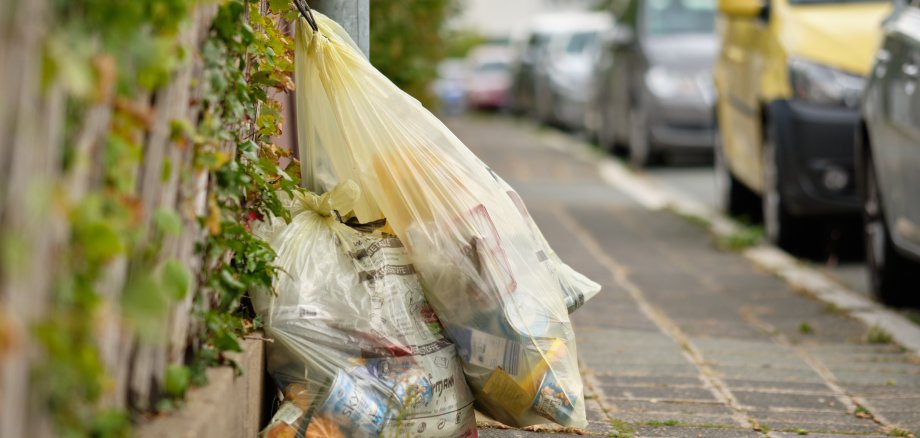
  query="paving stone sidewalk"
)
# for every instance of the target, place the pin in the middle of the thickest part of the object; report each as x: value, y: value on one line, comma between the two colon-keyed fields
x: 686, y: 339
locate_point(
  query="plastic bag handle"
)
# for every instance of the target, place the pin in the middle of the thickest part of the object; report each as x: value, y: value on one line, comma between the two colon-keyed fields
x: 307, y: 13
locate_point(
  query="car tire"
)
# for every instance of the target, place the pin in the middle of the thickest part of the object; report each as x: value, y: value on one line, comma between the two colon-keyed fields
x: 783, y: 229
x: 543, y: 106
x: 735, y: 198
x: 641, y: 152
x: 889, y: 271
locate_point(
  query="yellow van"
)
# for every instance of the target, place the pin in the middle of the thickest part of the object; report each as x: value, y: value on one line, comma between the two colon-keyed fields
x: 789, y: 79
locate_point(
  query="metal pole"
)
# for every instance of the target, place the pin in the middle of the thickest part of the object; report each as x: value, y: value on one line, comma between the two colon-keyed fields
x: 353, y: 15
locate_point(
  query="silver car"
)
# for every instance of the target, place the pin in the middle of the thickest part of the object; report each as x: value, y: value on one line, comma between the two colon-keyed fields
x: 655, y: 93
x: 888, y: 160
x: 571, y: 76
x: 539, y: 45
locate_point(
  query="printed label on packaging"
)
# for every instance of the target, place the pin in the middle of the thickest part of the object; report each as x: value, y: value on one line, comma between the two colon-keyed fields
x: 486, y: 350
x: 552, y: 402
x: 301, y: 311
x: 456, y: 423
x: 288, y: 413
x: 355, y: 407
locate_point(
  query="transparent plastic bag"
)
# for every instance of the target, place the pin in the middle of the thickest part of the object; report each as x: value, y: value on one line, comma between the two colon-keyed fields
x: 499, y: 290
x: 357, y: 349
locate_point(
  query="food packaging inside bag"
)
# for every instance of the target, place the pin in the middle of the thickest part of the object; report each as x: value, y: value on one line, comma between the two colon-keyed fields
x: 499, y: 290
x: 356, y: 350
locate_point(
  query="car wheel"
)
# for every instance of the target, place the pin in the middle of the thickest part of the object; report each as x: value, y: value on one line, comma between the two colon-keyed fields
x: 782, y: 229
x: 735, y: 198
x: 606, y: 133
x: 591, y: 122
x: 544, y: 106
x: 640, y: 146
x: 889, y: 271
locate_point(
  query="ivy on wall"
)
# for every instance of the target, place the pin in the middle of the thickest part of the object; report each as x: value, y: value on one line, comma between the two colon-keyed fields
x: 161, y: 120
x: 109, y: 59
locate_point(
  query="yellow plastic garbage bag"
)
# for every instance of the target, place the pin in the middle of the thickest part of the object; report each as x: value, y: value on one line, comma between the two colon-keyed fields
x: 499, y: 290
x: 357, y: 350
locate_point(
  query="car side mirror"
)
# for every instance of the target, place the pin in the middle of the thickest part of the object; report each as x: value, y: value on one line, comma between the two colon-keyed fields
x: 742, y: 8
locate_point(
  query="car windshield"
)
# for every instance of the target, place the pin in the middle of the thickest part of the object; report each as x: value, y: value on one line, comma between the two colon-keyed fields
x: 580, y: 41
x: 494, y: 66
x: 672, y: 17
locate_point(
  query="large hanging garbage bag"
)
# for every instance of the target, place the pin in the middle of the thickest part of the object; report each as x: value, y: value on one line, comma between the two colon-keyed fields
x: 499, y: 290
x: 357, y: 350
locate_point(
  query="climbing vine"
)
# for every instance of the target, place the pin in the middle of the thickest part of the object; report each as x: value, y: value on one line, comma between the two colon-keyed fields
x: 109, y: 59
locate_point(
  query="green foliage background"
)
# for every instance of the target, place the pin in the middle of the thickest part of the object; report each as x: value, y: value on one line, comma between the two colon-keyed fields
x: 407, y: 41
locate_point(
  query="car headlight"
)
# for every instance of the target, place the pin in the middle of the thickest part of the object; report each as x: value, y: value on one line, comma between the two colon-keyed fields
x: 662, y: 82
x: 825, y: 85
x: 667, y: 84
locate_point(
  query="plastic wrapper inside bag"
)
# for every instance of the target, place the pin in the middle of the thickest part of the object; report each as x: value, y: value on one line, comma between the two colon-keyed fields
x: 357, y: 350
x: 501, y: 293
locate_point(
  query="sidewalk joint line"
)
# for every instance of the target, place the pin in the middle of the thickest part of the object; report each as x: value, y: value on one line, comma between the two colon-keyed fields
x: 718, y: 388
x: 850, y: 401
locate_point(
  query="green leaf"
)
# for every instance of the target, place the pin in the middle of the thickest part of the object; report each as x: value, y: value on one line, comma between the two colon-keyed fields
x: 166, y: 171
x: 175, y: 279
x: 225, y: 341
x: 167, y: 221
x: 99, y: 240
x: 146, y: 307
x: 177, y: 380
x: 278, y: 6
x: 227, y: 278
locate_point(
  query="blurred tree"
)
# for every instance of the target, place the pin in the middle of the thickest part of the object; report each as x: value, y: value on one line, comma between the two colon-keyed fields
x: 460, y: 42
x: 407, y: 41
x: 618, y: 7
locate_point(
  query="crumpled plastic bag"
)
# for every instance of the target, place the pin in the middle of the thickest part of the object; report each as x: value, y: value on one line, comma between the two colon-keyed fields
x: 501, y: 293
x: 357, y: 349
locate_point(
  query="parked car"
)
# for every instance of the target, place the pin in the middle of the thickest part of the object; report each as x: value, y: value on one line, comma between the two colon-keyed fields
x: 570, y: 74
x: 450, y: 86
x: 888, y: 160
x: 789, y: 80
x: 489, y: 78
x: 532, y: 47
x: 654, y: 90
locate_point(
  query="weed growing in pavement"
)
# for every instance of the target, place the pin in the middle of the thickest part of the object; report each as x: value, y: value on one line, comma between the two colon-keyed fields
x: 660, y: 423
x: 862, y: 412
x: 745, y: 238
x: 891, y: 382
x: 801, y: 432
x: 806, y: 329
x: 833, y: 309
x: 878, y: 335
x: 692, y: 218
x: 912, y: 315
x: 621, y: 428
x: 900, y: 432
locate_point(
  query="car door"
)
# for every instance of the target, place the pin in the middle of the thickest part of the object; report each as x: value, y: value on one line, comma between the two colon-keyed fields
x: 737, y: 73
x: 906, y: 116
